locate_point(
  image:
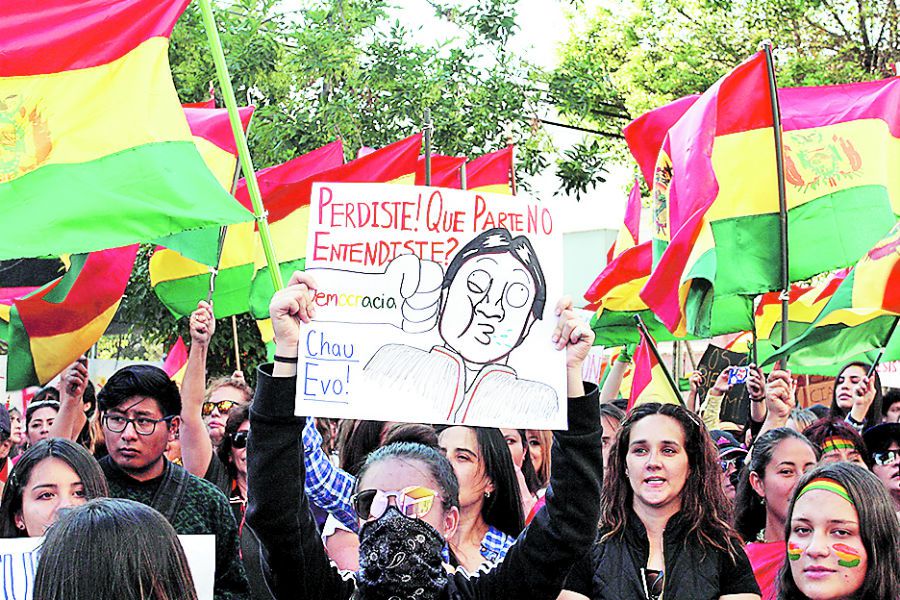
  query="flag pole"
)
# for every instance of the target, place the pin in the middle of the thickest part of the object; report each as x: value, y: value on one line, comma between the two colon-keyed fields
x: 429, y: 126
x: 782, y: 193
x: 223, y: 231
x: 212, y: 33
x: 237, y: 348
x: 463, y: 184
x: 643, y: 329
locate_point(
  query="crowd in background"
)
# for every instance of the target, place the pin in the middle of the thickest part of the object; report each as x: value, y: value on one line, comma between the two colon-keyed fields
x: 664, y: 501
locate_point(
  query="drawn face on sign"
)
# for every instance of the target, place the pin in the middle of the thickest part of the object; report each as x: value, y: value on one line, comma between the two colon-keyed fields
x: 488, y: 307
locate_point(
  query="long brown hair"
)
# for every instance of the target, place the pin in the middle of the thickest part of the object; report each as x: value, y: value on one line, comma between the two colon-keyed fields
x: 704, y: 508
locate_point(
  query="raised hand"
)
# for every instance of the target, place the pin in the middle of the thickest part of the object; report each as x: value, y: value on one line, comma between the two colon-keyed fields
x: 202, y: 324
x: 73, y: 381
x: 756, y: 382
x: 572, y: 333
x: 289, y: 308
x: 721, y: 385
x: 780, y: 399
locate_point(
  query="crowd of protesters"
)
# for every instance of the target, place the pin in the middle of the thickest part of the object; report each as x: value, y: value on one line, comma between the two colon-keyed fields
x: 661, y: 502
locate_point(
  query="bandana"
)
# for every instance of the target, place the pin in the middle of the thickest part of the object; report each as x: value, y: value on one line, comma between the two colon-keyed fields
x: 833, y: 444
x: 400, y: 558
x: 829, y: 485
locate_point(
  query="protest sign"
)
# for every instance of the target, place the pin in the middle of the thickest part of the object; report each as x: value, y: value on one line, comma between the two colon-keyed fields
x: 19, y: 560
x: 735, y: 406
x: 433, y: 305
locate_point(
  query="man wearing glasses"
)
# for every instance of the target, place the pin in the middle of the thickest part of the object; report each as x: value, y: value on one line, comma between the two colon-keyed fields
x: 139, y: 412
x: 883, y: 442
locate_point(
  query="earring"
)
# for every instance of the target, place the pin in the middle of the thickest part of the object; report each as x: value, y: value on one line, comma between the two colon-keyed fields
x: 487, y: 494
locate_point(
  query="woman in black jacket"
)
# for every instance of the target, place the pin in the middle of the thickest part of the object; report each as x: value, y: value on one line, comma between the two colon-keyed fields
x: 664, y: 530
x: 407, y: 497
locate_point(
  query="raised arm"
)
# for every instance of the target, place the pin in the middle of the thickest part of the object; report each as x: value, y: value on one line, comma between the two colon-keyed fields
x: 294, y: 561
x: 562, y: 532
x: 70, y: 419
x: 196, y: 447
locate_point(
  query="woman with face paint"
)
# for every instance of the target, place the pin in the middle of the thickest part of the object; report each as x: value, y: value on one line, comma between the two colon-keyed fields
x: 407, y: 497
x: 842, y: 538
x: 665, y: 529
x: 778, y: 460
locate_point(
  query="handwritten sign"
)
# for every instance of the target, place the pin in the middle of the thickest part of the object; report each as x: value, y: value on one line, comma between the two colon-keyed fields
x: 433, y: 305
x: 736, y: 404
x: 19, y: 561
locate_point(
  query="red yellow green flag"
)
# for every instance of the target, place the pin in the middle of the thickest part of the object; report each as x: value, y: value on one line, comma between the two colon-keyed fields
x: 646, y: 134
x: 288, y: 207
x: 92, y: 131
x: 716, y: 199
x: 629, y: 232
x: 492, y: 172
x: 859, y: 318
x: 650, y: 382
x: 51, y: 328
x: 180, y: 282
x: 176, y: 361
x: 445, y: 171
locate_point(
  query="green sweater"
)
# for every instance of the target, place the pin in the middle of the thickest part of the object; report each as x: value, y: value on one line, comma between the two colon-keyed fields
x: 204, y: 510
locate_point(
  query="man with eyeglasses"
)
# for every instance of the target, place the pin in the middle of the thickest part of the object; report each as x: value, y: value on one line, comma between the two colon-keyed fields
x: 139, y: 412
x: 883, y: 442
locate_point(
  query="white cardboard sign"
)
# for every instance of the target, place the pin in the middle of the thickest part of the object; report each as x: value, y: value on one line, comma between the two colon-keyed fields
x: 434, y: 306
x: 19, y: 560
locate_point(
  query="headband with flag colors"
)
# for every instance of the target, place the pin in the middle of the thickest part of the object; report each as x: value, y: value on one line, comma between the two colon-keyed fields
x: 859, y: 318
x: 288, y: 207
x: 650, y: 382
x: 827, y: 484
x: 492, y: 172
x: 96, y: 136
x: 50, y: 329
x: 176, y: 361
x: 716, y: 199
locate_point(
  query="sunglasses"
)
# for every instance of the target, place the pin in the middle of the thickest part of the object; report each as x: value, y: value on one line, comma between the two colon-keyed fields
x: 239, y: 439
x: 414, y: 502
x: 223, y: 406
x: 886, y: 458
x: 737, y: 461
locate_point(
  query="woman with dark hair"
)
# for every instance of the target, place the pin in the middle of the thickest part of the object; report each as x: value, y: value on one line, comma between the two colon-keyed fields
x: 857, y: 398
x: 232, y: 451
x: 540, y: 443
x: 113, y: 549
x: 837, y: 441
x: 664, y: 529
x: 356, y: 440
x: 490, y: 508
x: 527, y: 479
x: 407, y: 495
x: 39, y: 418
x: 777, y: 461
x: 51, y: 475
x: 842, y: 536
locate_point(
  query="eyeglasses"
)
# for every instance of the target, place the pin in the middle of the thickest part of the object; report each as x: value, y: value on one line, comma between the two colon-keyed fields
x: 415, y: 502
x: 886, y: 458
x: 737, y: 461
x: 239, y: 439
x: 223, y: 406
x: 142, y: 425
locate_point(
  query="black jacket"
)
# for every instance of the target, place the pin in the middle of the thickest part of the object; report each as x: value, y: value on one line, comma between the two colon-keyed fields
x: 612, y: 569
x: 295, y: 562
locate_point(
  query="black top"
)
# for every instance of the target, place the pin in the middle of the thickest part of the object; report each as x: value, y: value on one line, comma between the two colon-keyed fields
x: 294, y: 559
x: 616, y: 569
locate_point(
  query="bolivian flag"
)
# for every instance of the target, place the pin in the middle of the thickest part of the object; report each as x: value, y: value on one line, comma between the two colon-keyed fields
x: 858, y: 319
x: 445, y: 171
x: 180, y: 282
x: 716, y: 198
x: 492, y: 172
x: 95, y: 151
x: 176, y: 360
x: 646, y: 134
x: 287, y: 203
x: 650, y: 382
x: 50, y: 329
x: 629, y: 232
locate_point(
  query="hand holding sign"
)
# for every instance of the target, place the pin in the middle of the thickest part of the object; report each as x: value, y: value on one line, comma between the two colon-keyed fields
x: 419, y: 283
x: 288, y: 308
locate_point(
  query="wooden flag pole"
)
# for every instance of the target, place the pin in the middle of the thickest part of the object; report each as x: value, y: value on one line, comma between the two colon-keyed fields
x: 463, y: 184
x: 782, y: 194
x: 429, y: 126
x: 215, y: 43
x: 643, y: 328
x: 237, y: 348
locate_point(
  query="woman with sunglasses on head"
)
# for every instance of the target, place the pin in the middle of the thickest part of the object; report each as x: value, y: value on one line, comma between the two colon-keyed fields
x: 842, y: 538
x: 407, y: 494
x: 664, y: 530
x: 778, y: 460
x: 51, y: 475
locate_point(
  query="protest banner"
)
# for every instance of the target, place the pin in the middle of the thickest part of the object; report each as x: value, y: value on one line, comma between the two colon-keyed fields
x: 736, y: 404
x: 19, y: 560
x: 433, y: 305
